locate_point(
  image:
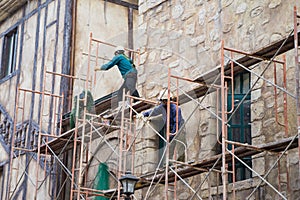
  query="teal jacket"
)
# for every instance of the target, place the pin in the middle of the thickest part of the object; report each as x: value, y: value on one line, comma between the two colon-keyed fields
x: 124, y: 64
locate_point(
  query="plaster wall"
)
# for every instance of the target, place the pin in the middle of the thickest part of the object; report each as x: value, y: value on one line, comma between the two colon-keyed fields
x: 39, y: 48
x: 108, y: 23
x: 42, y: 30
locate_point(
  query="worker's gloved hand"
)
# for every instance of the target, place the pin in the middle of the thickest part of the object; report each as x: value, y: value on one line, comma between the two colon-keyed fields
x: 172, y: 134
x: 147, y: 120
x: 139, y: 116
x: 97, y: 69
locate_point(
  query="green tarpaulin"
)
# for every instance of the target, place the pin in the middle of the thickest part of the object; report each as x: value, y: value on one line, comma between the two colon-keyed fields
x: 102, y: 180
x: 78, y: 112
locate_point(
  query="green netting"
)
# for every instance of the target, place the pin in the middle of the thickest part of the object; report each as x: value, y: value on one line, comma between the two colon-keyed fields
x: 79, y: 112
x: 102, y: 180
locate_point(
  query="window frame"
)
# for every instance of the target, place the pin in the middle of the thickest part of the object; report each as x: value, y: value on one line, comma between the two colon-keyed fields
x: 241, y: 171
x: 9, y: 54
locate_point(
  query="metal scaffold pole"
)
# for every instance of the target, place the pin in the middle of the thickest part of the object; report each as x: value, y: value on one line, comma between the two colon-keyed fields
x: 223, y: 116
x: 297, y: 71
x: 224, y: 163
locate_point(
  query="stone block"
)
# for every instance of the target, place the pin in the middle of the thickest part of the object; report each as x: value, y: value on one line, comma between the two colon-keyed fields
x: 257, y: 109
x: 165, y: 55
x: 227, y: 27
x: 197, y: 40
x: 142, y: 79
x: 269, y: 122
x: 140, y: 20
x: 203, y: 154
x: 270, y: 102
x: 256, y: 128
x: 214, y: 35
x: 293, y: 157
x: 164, y: 18
x: 153, y: 3
x: 153, y: 23
x: 190, y: 28
x: 258, y: 140
x: 159, y: 9
x: 201, y: 16
x: 256, y: 95
x: 275, y: 37
x: 164, y: 41
x: 151, y: 85
x: 278, y: 136
x: 274, y: 3
x: 187, y: 15
x: 242, y: 7
x: 143, y: 58
x: 283, y: 178
x: 183, y: 195
x: 142, y: 8
x: 174, y: 64
x: 152, y: 57
x: 177, y: 11
x: 256, y: 11
x: 175, y: 34
x: 150, y: 153
x: 258, y: 165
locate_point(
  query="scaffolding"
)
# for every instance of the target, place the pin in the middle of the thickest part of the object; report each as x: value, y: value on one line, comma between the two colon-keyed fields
x: 49, y: 146
x: 25, y: 141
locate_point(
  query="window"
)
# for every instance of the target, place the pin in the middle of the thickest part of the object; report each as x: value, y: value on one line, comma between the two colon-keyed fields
x: 240, y: 128
x: 8, y: 62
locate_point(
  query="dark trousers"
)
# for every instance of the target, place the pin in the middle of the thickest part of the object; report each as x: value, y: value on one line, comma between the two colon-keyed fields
x: 129, y: 85
x: 179, y: 143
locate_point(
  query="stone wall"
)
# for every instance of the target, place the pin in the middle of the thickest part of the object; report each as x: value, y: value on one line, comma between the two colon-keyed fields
x: 185, y: 36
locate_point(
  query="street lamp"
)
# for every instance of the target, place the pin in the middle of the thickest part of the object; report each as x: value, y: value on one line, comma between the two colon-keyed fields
x: 128, y: 182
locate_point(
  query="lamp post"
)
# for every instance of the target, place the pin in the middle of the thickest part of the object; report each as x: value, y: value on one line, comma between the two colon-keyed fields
x: 128, y: 182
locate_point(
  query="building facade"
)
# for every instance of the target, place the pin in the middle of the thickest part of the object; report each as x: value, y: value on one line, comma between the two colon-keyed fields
x: 49, y: 49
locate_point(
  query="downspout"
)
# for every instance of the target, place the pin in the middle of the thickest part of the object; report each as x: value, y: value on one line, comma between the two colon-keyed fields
x: 72, y: 56
x: 130, y: 30
x: 67, y: 54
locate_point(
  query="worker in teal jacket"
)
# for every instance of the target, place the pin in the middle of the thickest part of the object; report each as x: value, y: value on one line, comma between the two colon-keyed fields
x: 127, y: 70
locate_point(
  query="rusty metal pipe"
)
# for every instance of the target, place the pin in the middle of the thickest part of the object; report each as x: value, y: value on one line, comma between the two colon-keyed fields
x: 224, y: 127
x: 250, y: 55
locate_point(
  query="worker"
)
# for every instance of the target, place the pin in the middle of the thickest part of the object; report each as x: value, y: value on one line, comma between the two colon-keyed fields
x: 127, y: 70
x: 161, y: 109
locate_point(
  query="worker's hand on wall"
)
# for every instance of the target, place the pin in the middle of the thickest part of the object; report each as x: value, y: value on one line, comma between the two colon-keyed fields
x: 97, y: 69
x: 145, y: 119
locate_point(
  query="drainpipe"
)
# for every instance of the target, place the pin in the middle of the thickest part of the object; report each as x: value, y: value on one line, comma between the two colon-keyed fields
x: 130, y: 30
x: 72, y: 56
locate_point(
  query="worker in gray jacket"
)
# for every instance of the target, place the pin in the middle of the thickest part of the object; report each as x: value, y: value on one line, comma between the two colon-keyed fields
x: 180, y: 140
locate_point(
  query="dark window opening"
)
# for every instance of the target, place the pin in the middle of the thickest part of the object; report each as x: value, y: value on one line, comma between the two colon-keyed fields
x: 240, y: 128
x: 8, y: 62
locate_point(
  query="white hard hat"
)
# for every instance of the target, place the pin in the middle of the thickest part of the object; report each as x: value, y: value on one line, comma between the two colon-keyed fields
x: 163, y: 95
x: 119, y: 48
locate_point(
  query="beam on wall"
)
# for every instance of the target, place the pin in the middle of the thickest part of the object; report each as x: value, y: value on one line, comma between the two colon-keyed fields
x: 7, y: 7
x: 124, y: 3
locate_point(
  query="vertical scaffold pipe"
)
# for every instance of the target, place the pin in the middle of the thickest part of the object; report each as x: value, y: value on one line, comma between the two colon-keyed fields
x: 223, y: 123
x: 296, y: 45
x: 167, y: 136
